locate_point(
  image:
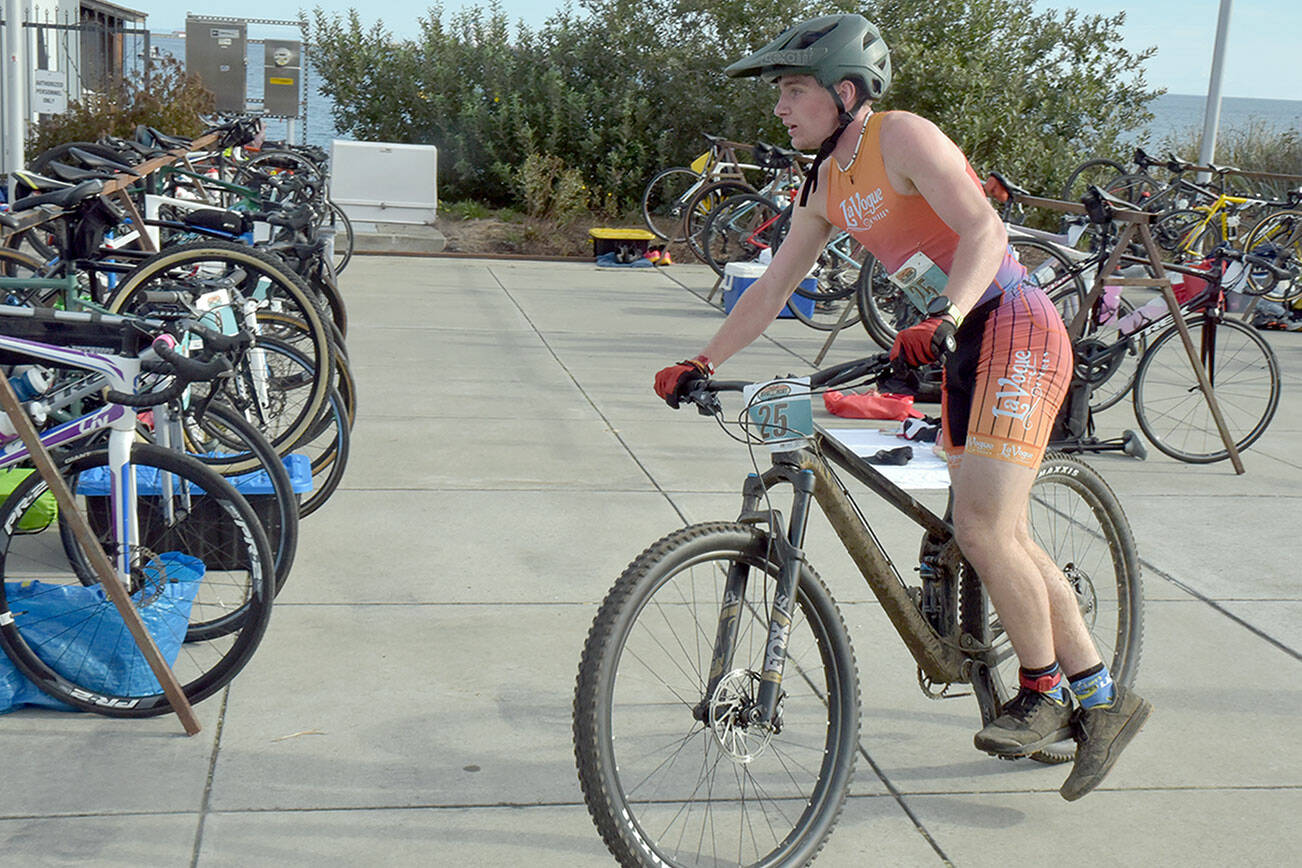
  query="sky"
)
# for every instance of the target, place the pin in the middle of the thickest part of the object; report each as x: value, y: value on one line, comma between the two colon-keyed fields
x: 1259, y: 60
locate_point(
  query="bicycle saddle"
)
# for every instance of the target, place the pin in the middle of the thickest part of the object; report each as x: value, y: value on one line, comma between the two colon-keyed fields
x: 164, y: 140
x: 39, y: 183
x: 1222, y: 170
x: 1001, y: 189
x: 73, y: 174
x: 95, y: 161
x: 66, y: 198
x: 1099, y: 204
x: 1177, y: 165
x: 1143, y: 160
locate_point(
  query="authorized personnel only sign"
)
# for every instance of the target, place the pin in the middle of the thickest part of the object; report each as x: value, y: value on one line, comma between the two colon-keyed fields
x: 49, y: 91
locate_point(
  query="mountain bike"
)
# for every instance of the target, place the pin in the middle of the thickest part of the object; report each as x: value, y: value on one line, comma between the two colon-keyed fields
x: 716, y: 709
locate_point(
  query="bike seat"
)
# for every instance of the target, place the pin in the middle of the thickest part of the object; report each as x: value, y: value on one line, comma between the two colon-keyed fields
x: 771, y: 157
x: 1099, y: 204
x: 1001, y: 189
x: 1143, y: 160
x: 164, y: 140
x: 1177, y: 165
x: 1223, y: 170
x: 73, y: 174
x: 66, y: 198
x: 39, y: 183
x: 95, y: 161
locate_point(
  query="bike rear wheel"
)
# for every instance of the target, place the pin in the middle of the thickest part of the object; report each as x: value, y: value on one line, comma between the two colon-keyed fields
x: 884, y: 309
x: 703, y: 205
x: 671, y: 777
x: 1074, y: 517
x: 1098, y: 171
x: 664, y: 201
x: 739, y: 230
x: 1169, y: 403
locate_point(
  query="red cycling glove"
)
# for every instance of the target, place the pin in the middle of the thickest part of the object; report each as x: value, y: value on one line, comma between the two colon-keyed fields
x: 924, y: 342
x: 674, y: 382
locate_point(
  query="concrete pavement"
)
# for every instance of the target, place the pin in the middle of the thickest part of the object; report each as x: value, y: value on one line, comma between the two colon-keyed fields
x: 410, y: 704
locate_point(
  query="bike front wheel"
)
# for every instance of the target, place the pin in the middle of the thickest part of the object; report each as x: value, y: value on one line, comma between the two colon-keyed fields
x: 671, y: 773
x: 202, y: 580
x: 1169, y: 403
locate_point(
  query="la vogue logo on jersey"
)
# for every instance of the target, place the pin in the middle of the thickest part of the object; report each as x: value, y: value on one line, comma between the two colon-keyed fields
x: 860, y: 210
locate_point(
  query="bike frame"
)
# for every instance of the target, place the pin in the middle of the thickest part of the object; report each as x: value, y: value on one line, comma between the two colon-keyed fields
x: 807, y: 471
x: 121, y: 372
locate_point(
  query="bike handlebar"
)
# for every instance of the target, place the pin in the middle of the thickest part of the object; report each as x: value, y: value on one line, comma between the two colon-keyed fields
x: 874, y: 367
x: 185, y: 369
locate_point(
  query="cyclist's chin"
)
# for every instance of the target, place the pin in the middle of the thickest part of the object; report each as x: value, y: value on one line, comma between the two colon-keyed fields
x: 803, y: 140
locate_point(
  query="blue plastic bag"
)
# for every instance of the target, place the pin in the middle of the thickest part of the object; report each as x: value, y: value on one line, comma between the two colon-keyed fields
x: 109, y: 661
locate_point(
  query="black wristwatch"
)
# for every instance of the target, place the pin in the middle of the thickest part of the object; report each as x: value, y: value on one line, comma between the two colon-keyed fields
x: 942, y: 306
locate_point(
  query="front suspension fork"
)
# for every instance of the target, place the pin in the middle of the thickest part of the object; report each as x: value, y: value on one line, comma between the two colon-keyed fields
x: 788, y: 551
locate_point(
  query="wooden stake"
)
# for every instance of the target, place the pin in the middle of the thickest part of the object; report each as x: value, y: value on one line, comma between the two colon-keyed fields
x: 98, y: 559
x: 1199, y: 371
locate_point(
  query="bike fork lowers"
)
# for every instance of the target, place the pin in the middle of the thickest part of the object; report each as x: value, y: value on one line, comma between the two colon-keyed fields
x: 790, y: 556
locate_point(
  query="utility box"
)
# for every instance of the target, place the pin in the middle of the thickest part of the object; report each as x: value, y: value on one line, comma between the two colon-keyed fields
x: 215, y: 50
x: 381, y: 182
x: 281, y: 77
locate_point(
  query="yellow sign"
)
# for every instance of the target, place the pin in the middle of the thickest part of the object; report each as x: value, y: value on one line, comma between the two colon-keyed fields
x: 280, y: 81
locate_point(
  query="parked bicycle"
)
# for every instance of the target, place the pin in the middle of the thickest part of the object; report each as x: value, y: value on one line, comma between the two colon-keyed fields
x: 205, y: 595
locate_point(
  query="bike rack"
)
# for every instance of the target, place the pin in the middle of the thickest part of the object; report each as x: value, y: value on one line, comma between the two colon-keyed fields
x: 1136, y: 227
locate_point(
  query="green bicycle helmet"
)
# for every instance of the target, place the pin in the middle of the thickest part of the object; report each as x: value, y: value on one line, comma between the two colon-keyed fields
x: 831, y: 49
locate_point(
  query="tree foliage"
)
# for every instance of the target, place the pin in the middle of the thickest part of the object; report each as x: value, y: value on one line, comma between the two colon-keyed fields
x: 618, y: 89
x: 167, y: 99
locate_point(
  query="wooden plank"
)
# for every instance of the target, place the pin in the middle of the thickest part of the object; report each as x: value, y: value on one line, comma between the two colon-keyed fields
x: 153, y: 164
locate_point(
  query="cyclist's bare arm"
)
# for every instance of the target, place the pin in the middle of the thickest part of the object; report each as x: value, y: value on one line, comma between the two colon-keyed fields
x: 763, y: 300
x: 919, y: 158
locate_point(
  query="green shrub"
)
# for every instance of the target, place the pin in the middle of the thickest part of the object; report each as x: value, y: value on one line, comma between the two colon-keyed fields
x: 550, y: 189
x: 465, y: 209
x: 171, y: 101
x: 624, y: 88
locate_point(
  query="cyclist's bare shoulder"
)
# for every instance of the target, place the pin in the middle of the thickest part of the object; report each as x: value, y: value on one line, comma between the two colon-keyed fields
x: 913, y: 147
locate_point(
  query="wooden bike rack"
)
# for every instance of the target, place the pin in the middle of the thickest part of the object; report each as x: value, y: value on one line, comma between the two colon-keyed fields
x: 1136, y: 227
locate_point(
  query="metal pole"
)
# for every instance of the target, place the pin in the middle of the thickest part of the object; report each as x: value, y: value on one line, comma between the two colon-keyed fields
x: 15, y: 90
x: 1212, y: 116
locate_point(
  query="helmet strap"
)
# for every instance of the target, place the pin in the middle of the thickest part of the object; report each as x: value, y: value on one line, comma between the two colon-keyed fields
x: 844, y: 119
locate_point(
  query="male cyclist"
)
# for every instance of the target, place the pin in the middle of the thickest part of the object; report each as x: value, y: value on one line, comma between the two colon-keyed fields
x: 907, y: 194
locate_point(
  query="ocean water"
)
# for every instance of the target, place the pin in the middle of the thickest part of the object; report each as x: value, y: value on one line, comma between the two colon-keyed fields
x: 1176, y: 115
x: 1173, y: 114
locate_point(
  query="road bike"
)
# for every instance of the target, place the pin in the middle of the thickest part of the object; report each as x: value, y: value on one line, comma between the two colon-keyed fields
x: 716, y: 709
x: 188, y: 548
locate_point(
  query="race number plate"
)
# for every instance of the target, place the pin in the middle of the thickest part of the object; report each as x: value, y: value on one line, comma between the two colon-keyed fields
x: 920, y: 280
x: 780, y: 413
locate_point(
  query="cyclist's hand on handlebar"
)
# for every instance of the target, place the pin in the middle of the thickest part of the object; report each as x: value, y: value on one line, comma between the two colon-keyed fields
x: 674, y: 382
x: 925, y: 342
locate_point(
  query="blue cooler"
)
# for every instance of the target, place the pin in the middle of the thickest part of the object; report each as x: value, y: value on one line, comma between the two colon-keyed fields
x: 737, y: 276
